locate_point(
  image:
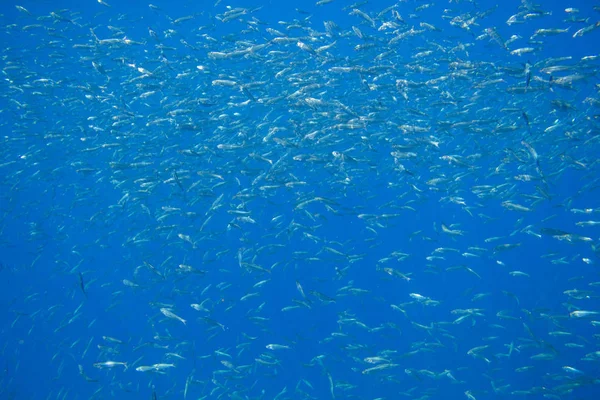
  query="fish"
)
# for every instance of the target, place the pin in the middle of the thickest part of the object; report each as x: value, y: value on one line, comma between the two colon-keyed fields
x: 169, y: 314
x: 282, y: 203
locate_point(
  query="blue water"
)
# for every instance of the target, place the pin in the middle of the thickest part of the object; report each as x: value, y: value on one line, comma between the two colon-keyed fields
x: 108, y: 195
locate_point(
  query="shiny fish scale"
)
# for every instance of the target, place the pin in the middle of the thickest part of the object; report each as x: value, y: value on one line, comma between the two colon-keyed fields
x: 392, y: 199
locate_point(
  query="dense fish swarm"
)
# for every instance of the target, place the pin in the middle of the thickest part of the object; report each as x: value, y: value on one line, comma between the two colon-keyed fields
x: 372, y: 201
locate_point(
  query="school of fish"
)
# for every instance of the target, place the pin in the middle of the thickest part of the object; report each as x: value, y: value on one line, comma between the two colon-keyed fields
x: 373, y: 200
